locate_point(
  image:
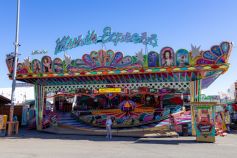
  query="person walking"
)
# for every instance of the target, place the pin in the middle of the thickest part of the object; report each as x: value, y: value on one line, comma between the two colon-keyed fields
x: 108, y: 127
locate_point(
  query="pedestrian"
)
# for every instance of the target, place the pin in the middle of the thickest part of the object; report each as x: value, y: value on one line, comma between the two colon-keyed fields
x: 108, y: 127
x: 227, y: 119
x: 171, y: 121
x: 15, y: 118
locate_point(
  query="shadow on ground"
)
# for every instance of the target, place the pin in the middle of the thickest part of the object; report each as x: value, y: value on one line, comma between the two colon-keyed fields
x: 28, y: 134
x: 167, y: 141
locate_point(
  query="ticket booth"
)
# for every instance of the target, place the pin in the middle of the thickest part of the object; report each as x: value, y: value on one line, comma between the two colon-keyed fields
x: 204, y: 121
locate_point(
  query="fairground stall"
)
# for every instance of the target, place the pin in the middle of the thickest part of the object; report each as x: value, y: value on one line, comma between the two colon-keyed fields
x: 137, y: 90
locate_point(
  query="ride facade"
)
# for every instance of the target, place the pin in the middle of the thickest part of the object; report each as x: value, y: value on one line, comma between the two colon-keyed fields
x: 134, y: 90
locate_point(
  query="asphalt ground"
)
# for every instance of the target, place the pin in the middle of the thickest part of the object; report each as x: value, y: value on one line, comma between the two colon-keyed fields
x: 33, y: 144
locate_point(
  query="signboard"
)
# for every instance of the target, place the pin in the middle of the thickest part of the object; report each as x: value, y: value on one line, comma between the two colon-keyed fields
x: 10, y: 62
x: 204, y: 121
x: 67, y: 42
x: 35, y: 52
x: 110, y: 90
x: 210, y: 98
x: 21, y: 84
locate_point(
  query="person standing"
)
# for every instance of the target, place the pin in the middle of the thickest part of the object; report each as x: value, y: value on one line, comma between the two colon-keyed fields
x: 108, y: 127
x: 171, y: 121
x: 227, y: 118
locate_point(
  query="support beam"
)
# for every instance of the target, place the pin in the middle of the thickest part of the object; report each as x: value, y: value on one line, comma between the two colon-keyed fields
x: 195, y: 96
x: 39, y: 103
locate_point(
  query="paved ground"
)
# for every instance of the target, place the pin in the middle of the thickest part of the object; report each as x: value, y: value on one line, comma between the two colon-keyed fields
x: 42, y: 145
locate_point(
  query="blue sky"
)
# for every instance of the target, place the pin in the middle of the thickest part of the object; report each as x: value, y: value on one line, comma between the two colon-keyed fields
x: 178, y: 24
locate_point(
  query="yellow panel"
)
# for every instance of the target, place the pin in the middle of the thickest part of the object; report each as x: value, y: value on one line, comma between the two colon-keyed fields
x: 109, y: 90
x: 176, y: 69
x: 111, y: 72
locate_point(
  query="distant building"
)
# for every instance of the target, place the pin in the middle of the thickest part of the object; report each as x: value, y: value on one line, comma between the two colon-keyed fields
x: 4, y: 100
x: 23, y: 92
x: 232, y: 92
x: 235, y: 93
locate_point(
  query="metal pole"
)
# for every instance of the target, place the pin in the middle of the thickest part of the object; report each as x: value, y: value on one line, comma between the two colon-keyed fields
x: 15, y: 62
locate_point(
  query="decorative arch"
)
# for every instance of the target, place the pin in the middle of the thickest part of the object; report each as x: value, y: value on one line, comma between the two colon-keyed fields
x: 58, y: 65
x: 36, y: 66
x: 153, y: 59
x: 46, y: 64
x: 182, y: 57
x: 167, y: 57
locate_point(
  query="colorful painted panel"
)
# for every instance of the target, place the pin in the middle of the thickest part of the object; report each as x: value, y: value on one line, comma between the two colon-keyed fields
x: 88, y: 60
x: 10, y: 62
x: 36, y: 68
x: 153, y: 59
x: 209, y: 55
x: 21, y: 69
x: 117, y: 58
x: 218, y: 54
x: 109, y: 55
x: 102, y: 60
x: 182, y: 57
x: 216, y: 50
x: 106, y: 59
x: 97, y: 58
x: 25, y: 67
x: 167, y: 57
x: 226, y: 47
x: 127, y: 113
x: 58, y: 65
x: 204, y: 122
x: 202, y: 61
x: 46, y: 64
x: 126, y: 61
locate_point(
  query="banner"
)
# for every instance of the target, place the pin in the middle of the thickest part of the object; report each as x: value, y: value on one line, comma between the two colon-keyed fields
x: 3, y: 122
x: 204, y: 122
